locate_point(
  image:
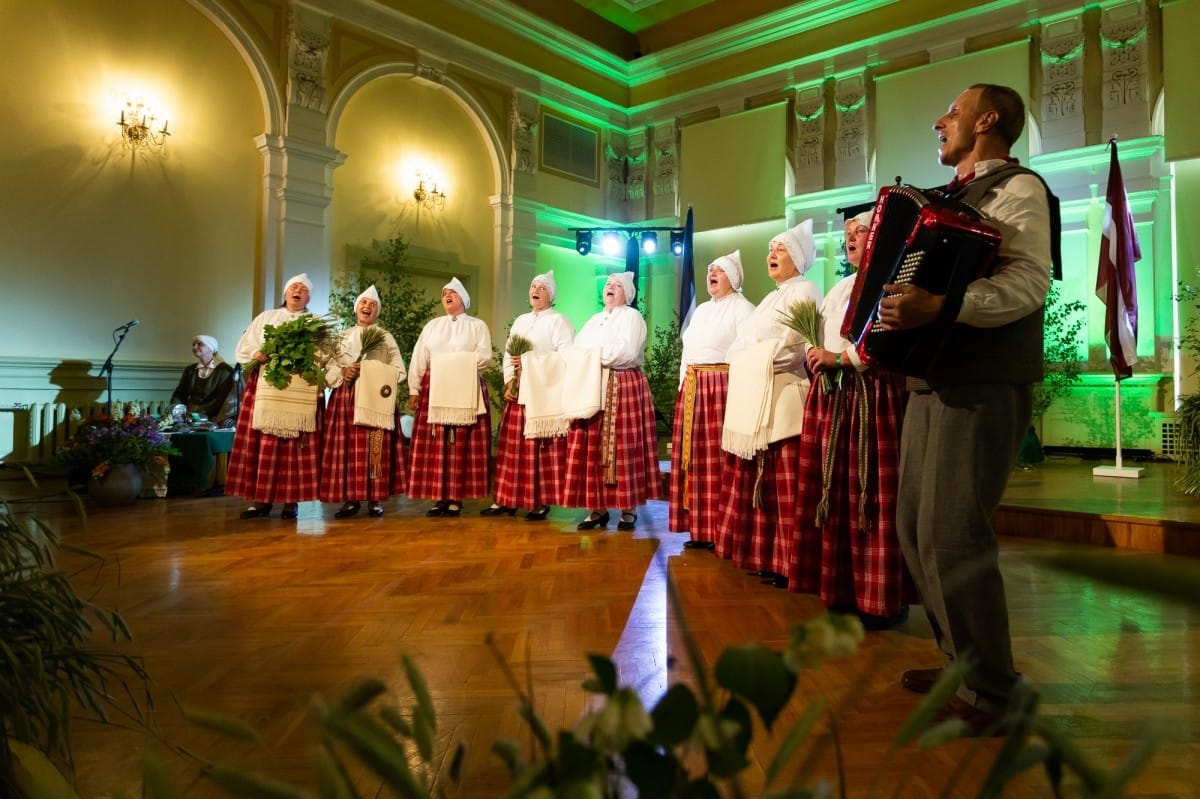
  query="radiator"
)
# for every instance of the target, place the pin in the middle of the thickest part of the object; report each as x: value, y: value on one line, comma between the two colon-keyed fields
x: 41, y: 429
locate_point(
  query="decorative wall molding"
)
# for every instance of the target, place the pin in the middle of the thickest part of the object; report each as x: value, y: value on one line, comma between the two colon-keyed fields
x: 809, y: 153
x: 850, y: 150
x: 524, y: 118
x: 308, y: 51
x: 1125, y: 55
x: 1063, y: 46
x: 666, y: 154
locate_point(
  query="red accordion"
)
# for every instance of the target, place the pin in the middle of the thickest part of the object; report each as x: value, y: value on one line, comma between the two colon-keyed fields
x: 926, y: 239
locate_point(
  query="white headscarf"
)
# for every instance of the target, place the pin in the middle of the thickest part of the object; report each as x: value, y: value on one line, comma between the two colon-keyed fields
x: 731, y: 265
x: 864, y: 218
x: 799, y: 244
x: 300, y: 278
x: 458, y: 288
x: 369, y: 294
x: 626, y: 281
x: 547, y: 280
x: 209, y: 341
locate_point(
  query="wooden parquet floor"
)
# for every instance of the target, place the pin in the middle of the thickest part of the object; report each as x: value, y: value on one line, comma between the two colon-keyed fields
x: 254, y: 618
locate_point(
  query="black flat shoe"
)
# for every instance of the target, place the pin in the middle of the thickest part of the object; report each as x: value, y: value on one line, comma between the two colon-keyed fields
x: 709, y: 545
x: 627, y: 525
x: 348, y: 509
x: 453, y: 509
x: 289, y: 511
x: 593, y: 522
x: 538, y: 515
x: 438, y: 509
x: 498, y: 510
x: 257, y: 510
x: 374, y: 510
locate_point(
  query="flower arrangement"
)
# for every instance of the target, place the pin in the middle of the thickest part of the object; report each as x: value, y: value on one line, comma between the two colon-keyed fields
x: 102, y: 442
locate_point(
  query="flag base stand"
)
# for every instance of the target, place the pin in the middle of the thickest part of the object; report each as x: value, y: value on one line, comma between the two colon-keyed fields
x: 1117, y: 471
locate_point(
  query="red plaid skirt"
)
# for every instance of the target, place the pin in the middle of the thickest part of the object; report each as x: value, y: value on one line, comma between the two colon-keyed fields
x: 707, y: 467
x: 853, y: 558
x: 636, y: 457
x: 450, y: 461
x: 760, y: 539
x: 530, y: 472
x: 346, y: 451
x: 265, y: 468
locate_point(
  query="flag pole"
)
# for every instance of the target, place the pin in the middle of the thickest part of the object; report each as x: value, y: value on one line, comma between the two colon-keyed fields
x: 1119, y: 252
x: 1117, y: 470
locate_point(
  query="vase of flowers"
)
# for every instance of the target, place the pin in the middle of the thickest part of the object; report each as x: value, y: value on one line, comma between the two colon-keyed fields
x: 115, y: 452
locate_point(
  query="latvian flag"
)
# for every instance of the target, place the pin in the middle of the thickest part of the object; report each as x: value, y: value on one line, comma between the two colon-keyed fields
x: 1116, y: 283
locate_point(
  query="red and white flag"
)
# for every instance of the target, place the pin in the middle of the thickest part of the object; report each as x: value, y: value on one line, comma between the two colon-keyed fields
x: 1116, y: 282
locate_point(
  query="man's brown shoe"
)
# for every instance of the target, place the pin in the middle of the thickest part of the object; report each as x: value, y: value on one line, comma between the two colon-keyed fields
x: 980, y: 723
x: 920, y: 681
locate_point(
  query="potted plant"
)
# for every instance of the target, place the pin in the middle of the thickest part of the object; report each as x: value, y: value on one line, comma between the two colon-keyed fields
x: 115, y: 453
x: 1063, y: 323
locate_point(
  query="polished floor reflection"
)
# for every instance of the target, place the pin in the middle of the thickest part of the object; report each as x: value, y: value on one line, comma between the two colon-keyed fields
x: 253, y: 618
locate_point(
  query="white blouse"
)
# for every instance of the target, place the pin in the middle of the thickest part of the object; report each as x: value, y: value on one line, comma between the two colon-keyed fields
x: 549, y: 331
x: 619, y: 334
x: 712, y: 330
x: 460, y: 333
x: 352, y: 346
x: 767, y: 322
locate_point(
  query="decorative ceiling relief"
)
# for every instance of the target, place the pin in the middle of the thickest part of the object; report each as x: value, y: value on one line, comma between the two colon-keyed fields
x: 1063, y: 47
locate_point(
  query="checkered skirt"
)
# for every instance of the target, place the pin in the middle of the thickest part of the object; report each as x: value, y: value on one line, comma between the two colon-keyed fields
x: 853, y: 558
x: 760, y: 539
x: 707, y: 468
x: 266, y: 468
x: 638, y: 477
x: 530, y: 472
x: 346, y: 450
x: 450, y: 461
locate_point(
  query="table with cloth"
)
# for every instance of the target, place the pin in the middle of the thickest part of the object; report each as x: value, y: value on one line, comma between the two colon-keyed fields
x: 201, y: 463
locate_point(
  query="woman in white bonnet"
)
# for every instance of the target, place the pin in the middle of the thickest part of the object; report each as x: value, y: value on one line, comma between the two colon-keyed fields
x: 697, y: 462
x: 267, y: 468
x: 847, y: 548
x: 207, y: 387
x: 612, y: 456
x: 362, y: 461
x: 530, y: 470
x: 451, y: 457
x: 758, y: 502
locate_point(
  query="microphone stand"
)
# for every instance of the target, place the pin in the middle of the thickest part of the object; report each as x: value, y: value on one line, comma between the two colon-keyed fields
x: 107, y: 368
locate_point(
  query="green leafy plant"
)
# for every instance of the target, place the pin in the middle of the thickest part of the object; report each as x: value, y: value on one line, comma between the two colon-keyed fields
x: 48, y: 662
x: 805, y: 318
x: 373, y: 339
x: 404, y: 307
x: 662, y: 372
x: 516, y: 347
x: 293, y: 349
x: 1063, y: 323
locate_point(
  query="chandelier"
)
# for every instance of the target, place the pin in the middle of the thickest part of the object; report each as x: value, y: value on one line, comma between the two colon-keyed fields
x: 140, y: 129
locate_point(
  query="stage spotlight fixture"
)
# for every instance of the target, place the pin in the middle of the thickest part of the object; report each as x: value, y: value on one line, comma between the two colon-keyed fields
x: 649, y: 242
x: 583, y: 241
x: 677, y: 242
x: 612, y: 243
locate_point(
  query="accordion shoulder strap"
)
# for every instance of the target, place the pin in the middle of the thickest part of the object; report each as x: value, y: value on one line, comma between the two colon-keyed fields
x: 974, y: 192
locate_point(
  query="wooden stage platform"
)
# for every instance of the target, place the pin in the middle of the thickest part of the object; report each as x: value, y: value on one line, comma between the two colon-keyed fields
x: 1060, y: 500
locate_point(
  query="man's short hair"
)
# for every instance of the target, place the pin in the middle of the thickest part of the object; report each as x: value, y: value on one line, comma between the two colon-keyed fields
x: 1009, y: 107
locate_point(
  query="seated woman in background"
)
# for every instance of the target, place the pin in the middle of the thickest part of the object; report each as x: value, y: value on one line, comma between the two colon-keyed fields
x: 207, y: 386
x: 361, y: 457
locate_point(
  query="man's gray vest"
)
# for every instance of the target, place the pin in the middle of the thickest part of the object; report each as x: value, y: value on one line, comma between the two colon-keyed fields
x: 1010, y: 353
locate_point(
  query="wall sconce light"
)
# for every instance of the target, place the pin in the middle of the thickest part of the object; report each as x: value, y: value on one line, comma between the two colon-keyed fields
x: 427, y: 193
x: 139, y: 127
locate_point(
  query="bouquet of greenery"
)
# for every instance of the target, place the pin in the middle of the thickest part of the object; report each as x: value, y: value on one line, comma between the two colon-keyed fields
x: 805, y: 318
x: 517, y: 346
x: 101, y: 442
x: 373, y: 338
x: 292, y: 349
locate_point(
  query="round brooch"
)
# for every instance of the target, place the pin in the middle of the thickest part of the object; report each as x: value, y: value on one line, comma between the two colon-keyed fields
x: 386, y: 391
